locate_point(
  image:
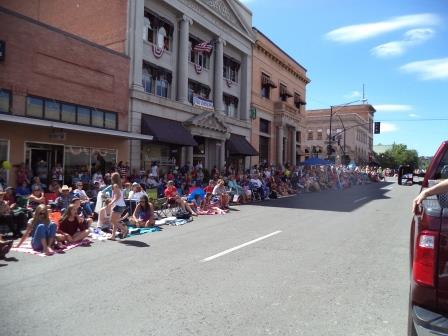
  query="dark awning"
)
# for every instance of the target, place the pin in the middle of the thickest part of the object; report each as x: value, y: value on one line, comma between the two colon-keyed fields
x: 238, y: 145
x: 166, y: 130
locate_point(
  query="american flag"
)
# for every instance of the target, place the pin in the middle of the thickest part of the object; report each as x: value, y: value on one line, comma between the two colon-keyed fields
x: 203, y: 46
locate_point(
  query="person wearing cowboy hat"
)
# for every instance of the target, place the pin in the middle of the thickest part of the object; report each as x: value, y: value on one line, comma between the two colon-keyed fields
x: 65, y: 198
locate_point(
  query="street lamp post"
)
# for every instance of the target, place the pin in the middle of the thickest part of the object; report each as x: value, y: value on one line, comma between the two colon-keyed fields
x: 330, y: 137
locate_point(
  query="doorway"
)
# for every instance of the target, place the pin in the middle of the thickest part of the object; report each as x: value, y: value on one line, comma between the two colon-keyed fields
x: 46, y: 161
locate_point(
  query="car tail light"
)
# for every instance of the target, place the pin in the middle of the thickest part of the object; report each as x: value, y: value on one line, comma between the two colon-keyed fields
x: 425, y: 258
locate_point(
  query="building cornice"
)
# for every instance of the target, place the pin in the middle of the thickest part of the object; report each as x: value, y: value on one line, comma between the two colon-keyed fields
x: 277, y: 59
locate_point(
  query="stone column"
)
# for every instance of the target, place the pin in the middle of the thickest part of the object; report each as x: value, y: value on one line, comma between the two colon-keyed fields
x: 246, y: 71
x: 280, y: 134
x: 222, y: 155
x: 189, y: 157
x: 137, y: 9
x: 218, y: 78
x: 293, y: 146
x: 182, y: 70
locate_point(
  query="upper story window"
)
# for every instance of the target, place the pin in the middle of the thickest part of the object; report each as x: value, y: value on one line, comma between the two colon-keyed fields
x: 51, y: 109
x: 284, y: 93
x: 201, y: 58
x: 264, y: 126
x: 266, y: 85
x: 298, y: 102
x: 319, y: 134
x: 231, y: 68
x: 197, y: 89
x: 230, y: 105
x: 156, y: 80
x: 299, y: 137
x: 158, y: 30
x: 310, y: 135
x: 5, y: 101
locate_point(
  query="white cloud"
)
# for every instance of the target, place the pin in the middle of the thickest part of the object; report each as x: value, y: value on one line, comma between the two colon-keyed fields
x: 388, y: 127
x: 413, y: 115
x: 353, y: 95
x: 429, y: 69
x: 392, y: 108
x: 364, y: 31
x: 412, y: 38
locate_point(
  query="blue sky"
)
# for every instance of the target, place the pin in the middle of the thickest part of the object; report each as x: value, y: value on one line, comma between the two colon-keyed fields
x: 398, y: 49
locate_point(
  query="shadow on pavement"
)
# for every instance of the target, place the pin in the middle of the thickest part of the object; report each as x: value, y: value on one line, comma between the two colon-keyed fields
x: 346, y: 200
x: 134, y: 243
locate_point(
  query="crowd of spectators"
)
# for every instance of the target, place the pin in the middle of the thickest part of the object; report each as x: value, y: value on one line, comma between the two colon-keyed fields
x: 192, y: 190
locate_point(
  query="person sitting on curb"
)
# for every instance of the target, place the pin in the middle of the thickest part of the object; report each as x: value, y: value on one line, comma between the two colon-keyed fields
x: 86, y: 222
x: 173, y: 198
x: 36, y: 198
x: 220, y: 191
x: 42, y: 231
x: 71, y: 229
x: 143, y: 215
x: 64, y: 199
x: 85, y: 200
x: 437, y: 189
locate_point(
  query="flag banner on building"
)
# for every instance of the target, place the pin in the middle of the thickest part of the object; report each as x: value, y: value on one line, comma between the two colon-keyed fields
x: 198, y: 68
x: 204, y: 47
x: 158, y: 52
x: 204, y: 103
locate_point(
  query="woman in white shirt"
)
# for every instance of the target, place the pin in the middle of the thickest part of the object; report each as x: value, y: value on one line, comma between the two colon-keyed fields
x: 137, y: 192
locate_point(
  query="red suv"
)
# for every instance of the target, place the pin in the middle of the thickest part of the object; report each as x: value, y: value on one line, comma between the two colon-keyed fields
x: 428, y: 297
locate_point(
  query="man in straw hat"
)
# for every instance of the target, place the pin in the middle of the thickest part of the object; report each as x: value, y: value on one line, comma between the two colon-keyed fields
x: 65, y: 198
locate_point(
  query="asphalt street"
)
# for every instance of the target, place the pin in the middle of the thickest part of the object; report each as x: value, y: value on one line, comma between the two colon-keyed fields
x: 329, y: 263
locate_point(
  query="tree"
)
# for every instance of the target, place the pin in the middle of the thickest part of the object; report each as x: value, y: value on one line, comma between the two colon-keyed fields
x: 398, y: 155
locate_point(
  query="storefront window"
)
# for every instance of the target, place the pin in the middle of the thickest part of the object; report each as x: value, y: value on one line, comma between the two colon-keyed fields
x: 82, y: 162
x: 77, y: 164
x: 103, y: 160
x: 34, y: 107
x: 52, y: 110
x: 83, y: 115
x: 3, y: 157
x: 5, y: 101
x: 97, y: 118
x: 68, y: 113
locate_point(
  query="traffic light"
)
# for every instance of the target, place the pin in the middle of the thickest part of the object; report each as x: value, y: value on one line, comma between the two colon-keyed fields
x: 377, y: 127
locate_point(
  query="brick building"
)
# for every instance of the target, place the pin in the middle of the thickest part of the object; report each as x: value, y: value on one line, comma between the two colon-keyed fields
x: 194, y: 102
x: 278, y: 99
x: 63, y: 100
x: 352, y: 128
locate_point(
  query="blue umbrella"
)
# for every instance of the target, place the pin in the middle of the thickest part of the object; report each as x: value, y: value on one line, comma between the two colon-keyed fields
x: 197, y: 191
x: 315, y: 161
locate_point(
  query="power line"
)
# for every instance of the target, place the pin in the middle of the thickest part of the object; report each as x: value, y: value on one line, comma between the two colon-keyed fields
x: 422, y: 119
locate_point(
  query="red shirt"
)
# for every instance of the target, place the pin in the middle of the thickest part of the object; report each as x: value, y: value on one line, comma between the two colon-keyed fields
x: 209, y: 189
x: 170, y: 192
x: 70, y: 227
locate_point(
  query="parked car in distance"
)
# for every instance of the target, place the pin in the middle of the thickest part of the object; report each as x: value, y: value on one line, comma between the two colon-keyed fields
x: 428, y: 295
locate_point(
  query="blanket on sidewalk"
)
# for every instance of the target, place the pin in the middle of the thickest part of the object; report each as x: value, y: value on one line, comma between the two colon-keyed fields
x: 26, y: 247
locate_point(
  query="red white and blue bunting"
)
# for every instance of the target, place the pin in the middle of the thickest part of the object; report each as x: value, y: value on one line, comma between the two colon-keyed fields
x: 158, y: 52
x: 198, y: 68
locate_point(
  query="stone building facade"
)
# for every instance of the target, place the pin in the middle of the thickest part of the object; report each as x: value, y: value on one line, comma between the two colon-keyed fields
x: 63, y: 100
x: 352, y: 130
x: 190, y: 72
x: 278, y: 103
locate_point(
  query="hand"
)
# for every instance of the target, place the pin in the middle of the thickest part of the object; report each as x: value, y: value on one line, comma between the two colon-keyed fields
x: 418, y: 201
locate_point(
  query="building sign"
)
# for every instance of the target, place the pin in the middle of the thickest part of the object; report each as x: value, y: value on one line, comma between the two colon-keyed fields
x: 253, y: 112
x: 2, y: 50
x: 204, y: 103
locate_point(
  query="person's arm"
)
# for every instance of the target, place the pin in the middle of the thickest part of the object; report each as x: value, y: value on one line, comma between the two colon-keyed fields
x: 29, y: 228
x: 437, y: 189
x: 137, y: 208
